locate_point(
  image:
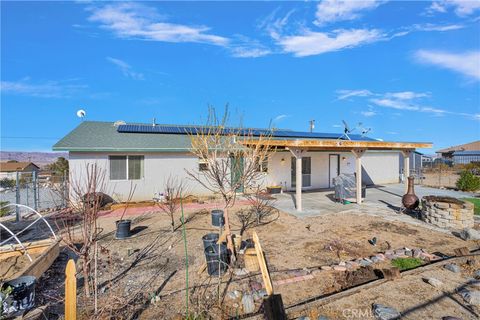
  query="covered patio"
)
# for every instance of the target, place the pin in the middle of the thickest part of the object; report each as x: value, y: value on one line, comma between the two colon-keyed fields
x: 318, y: 202
x: 299, y: 147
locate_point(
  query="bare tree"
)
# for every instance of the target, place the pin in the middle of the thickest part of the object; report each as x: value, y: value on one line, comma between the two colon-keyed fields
x: 80, y: 229
x: 228, y: 164
x: 173, y: 189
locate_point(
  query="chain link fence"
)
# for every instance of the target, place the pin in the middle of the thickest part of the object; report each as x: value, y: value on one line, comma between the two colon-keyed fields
x: 46, y: 191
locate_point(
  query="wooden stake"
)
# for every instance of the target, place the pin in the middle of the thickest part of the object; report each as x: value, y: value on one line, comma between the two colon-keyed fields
x: 263, y: 265
x: 70, y: 291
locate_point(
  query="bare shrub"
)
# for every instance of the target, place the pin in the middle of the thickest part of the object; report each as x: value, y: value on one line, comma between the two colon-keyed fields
x: 174, y: 189
x: 228, y: 163
x: 79, y: 227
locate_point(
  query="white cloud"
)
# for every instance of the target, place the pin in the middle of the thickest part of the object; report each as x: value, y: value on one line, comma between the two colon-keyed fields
x: 368, y: 113
x: 136, y: 21
x: 280, y: 117
x: 313, y: 43
x: 441, y: 28
x: 244, y: 47
x: 46, y: 89
x: 394, y: 104
x: 126, y: 69
x: 345, y: 94
x: 330, y: 11
x: 467, y: 63
x: 407, y: 95
x: 461, y: 7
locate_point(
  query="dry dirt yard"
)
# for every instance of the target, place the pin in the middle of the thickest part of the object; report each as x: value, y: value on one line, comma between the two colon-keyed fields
x: 145, y: 275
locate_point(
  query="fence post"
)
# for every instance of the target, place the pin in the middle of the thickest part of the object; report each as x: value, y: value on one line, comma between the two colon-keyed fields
x: 35, y: 187
x: 70, y: 291
x: 17, y: 197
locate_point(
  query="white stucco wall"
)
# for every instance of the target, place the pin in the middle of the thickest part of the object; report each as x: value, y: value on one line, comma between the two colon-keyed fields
x: 379, y: 168
x: 157, y: 168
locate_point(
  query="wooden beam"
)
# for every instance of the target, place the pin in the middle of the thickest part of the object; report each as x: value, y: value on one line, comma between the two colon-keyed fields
x: 313, y: 144
x: 263, y: 265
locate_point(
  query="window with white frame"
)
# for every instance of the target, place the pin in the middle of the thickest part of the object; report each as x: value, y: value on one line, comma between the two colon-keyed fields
x: 126, y: 167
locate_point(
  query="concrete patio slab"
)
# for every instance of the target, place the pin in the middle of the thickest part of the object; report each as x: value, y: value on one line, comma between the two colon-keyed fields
x: 386, y: 197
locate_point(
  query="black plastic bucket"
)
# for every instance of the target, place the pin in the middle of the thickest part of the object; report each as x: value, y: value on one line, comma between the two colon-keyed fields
x: 210, y: 239
x: 123, y: 229
x: 22, y: 296
x: 217, y: 218
x: 217, y: 261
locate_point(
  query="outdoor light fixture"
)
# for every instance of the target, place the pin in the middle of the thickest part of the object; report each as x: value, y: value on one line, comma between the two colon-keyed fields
x: 344, y: 158
x: 282, y: 161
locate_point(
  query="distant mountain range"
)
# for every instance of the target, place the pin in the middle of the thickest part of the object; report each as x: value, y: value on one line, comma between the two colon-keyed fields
x: 39, y: 158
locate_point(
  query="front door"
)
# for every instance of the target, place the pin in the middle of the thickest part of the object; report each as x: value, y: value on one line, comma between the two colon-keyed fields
x: 306, y: 172
x: 334, y: 166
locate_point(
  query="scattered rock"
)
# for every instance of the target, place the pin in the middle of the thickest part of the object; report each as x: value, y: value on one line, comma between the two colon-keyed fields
x: 399, y: 252
x: 304, y: 318
x: 390, y: 256
x: 416, y: 253
x: 339, y: 268
x: 469, y: 234
x: 380, y: 256
x: 408, y: 252
x: 474, y: 282
x: 322, y: 318
x: 450, y: 318
x: 365, y: 263
x: 326, y: 268
x: 248, y: 304
x: 240, y: 272
x: 476, y: 274
x: 342, y: 263
x: 255, y: 286
x: 234, y: 294
x: 375, y: 259
x: 434, y: 282
x: 452, y: 267
x: 470, y: 296
x: 382, y: 312
x: 260, y: 294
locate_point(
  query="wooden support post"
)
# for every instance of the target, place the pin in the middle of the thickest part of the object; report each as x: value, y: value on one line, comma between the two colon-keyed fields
x: 298, y: 153
x: 272, y: 305
x: 358, y: 173
x: 263, y: 265
x: 406, y: 167
x: 70, y: 291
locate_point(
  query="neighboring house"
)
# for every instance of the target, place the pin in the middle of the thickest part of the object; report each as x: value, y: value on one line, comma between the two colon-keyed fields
x: 464, y: 157
x: 146, y: 154
x: 448, y: 153
x: 9, y: 169
x: 417, y: 161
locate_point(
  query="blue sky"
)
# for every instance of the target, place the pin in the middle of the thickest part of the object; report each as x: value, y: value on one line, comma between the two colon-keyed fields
x: 408, y: 70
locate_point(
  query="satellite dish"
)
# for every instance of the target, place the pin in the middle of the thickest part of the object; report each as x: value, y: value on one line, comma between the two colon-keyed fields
x: 81, y: 113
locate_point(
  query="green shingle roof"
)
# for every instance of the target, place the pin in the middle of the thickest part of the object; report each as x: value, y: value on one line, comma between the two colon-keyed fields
x: 103, y: 136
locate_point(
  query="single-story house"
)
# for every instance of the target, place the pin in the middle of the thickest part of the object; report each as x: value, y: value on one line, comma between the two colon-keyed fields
x: 9, y: 169
x: 465, y: 157
x: 448, y: 153
x: 146, y: 154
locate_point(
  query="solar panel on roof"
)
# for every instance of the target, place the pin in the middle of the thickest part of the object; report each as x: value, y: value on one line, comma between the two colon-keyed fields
x: 162, y: 129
